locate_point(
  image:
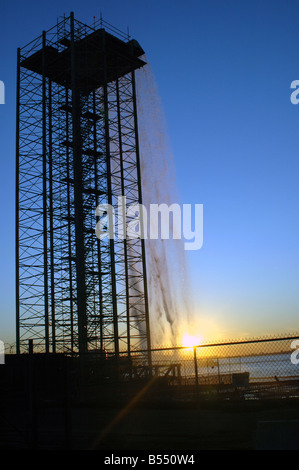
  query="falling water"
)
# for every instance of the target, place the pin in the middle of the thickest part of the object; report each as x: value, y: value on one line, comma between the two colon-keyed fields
x: 169, y: 298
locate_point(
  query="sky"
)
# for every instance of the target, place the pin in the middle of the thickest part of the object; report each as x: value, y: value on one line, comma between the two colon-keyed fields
x: 223, y: 70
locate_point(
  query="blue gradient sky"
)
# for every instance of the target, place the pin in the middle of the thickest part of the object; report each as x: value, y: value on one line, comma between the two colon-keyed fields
x: 224, y: 70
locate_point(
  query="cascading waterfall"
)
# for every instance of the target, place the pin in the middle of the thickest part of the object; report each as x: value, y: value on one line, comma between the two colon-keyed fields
x: 169, y: 298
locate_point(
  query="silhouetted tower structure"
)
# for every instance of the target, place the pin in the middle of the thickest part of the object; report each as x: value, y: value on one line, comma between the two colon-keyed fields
x: 77, y: 148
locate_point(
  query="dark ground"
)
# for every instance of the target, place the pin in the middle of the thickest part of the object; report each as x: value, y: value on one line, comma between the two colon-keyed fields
x: 229, y: 426
x: 43, y: 406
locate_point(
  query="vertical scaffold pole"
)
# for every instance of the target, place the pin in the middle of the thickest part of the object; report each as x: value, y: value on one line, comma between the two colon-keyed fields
x: 110, y: 202
x: 78, y: 200
x: 45, y: 208
x: 17, y: 205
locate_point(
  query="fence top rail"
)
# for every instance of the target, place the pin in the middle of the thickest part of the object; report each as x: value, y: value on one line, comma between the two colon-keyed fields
x: 216, y: 344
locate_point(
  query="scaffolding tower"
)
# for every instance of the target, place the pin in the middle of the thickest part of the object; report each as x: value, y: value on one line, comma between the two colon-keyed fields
x: 77, y: 148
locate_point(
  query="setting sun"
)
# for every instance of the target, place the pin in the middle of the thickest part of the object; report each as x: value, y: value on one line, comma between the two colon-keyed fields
x: 189, y: 341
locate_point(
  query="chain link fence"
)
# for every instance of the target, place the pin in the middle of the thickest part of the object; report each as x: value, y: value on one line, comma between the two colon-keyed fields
x: 45, y: 396
x: 251, y: 369
x: 255, y: 368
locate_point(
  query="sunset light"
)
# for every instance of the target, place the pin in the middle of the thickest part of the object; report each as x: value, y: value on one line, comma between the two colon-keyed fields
x: 189, y: 341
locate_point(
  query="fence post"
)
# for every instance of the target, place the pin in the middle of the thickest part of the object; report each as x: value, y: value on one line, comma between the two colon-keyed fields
x: 196, y: 375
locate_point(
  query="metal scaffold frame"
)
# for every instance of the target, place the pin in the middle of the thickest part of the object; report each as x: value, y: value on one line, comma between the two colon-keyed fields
x: 77, y: 147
